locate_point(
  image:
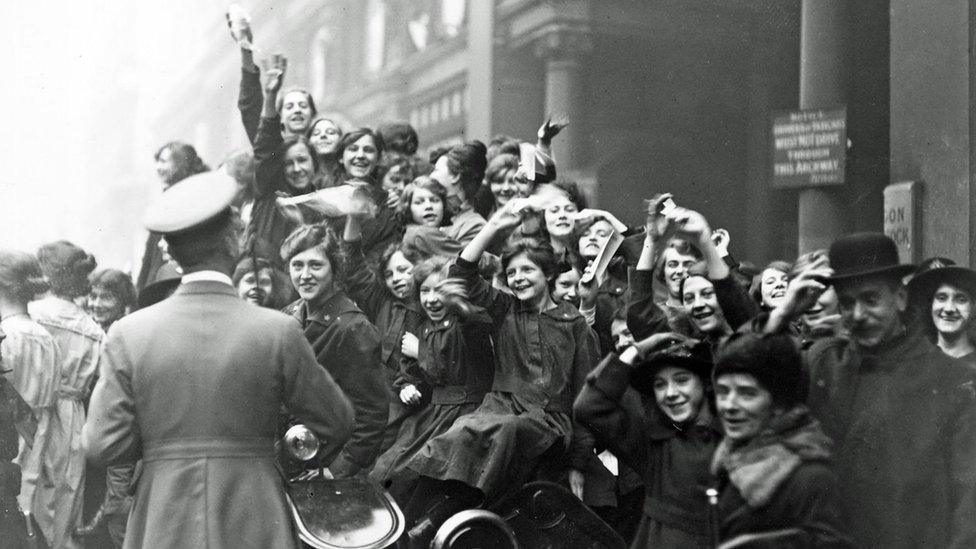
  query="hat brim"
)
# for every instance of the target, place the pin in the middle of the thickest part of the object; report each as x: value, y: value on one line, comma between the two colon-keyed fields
x: 922, y: 288
x: 899, y: 271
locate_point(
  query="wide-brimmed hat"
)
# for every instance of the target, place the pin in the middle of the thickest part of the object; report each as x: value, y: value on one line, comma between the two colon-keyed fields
x: 922, y: 287
x: 865, y: 254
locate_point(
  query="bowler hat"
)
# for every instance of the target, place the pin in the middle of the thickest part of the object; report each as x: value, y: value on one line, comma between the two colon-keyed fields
x: 921, y: 289
x: 865, y: 254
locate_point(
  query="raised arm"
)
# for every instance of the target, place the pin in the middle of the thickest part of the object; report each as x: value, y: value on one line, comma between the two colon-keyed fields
x: 269, y: 163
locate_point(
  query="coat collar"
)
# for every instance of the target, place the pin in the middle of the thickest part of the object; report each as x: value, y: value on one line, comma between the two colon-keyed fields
x: 325, y: 315
x: 206, y: 287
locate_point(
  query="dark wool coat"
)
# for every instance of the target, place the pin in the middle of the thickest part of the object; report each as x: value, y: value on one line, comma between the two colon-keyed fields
x: 673, y: 464
x: 454, y: 370
x: 541, y: 362
x: 904, y: 421
x: 193, y: 386
x: 347, y: 345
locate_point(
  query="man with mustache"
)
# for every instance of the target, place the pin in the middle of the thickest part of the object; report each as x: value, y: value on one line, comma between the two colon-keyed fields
x: 902, y: 414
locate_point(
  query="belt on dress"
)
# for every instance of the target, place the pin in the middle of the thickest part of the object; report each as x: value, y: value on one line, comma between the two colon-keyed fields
x: 192, y: 448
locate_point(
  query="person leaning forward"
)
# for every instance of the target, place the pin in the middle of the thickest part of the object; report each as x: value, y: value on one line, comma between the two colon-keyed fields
x: 193, y: 386
x: 902, y: 413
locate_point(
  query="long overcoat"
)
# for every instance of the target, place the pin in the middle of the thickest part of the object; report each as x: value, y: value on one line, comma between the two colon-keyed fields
x: 903, y: 418
x: 193, y: 386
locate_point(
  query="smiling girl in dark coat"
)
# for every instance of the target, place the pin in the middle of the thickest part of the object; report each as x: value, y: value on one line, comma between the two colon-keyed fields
x: 453, y: 371
x: 345, y: 342
x: 669, y: 440
x: 543, y: 352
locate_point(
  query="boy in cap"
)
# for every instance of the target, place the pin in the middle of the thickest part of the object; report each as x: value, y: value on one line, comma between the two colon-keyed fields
x: 903, y: 415
x: 193, y: 386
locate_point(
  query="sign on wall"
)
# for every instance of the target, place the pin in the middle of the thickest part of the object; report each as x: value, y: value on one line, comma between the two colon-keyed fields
x: 901, y: 218
x: 809, y: 147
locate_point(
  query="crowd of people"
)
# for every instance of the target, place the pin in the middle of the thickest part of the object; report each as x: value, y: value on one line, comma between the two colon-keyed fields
x: 473, y: 326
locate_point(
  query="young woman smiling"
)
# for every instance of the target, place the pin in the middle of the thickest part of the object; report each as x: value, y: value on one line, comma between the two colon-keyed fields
x: 282, y: 165
x: 944, y: 298
x: 670, y: 444
x: 773, y: 473
x: 543, y: 352
x: 452, y: 371
x: 345, y: 342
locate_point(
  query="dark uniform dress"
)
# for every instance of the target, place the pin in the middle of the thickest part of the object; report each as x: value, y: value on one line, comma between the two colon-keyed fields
x: 541, y: 362
x: 673, y: 463
x: 455, y: 368
x: 392, y: 317
x: 347, y: 345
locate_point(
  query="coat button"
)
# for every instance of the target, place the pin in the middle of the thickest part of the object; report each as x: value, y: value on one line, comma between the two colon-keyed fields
x: 446, y: 322
x: 327, y: 318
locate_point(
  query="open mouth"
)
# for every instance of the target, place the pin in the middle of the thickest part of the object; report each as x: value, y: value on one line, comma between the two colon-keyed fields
x: 702, y: 315
x: 255, y: 294
x: 777, y: 294
x: 430, y: 217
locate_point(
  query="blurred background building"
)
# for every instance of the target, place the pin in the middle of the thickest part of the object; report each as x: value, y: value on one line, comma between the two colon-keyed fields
x: 663, y: 95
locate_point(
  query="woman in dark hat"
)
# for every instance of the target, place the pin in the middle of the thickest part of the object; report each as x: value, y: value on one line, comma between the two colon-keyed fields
x: 669, y: 442
x: 774, y: 481
x: 943, y: 298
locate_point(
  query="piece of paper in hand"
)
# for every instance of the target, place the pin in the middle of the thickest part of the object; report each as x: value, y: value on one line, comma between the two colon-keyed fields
x: 335, y: 201
x: 599, y: 267
x: 527, y: 160
x: 240, y: 25
x: 610, y: 462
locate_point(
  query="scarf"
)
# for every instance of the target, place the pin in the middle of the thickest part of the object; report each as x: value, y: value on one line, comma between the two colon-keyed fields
x: 761, y: 465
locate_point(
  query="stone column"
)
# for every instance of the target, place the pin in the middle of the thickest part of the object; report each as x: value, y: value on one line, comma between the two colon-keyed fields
x: 562, y: 51
x: 823, y: 83
x: 481, y: 65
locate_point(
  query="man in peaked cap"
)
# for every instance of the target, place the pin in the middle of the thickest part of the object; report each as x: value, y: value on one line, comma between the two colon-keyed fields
x: 193, y: 386
x: 902, y: 414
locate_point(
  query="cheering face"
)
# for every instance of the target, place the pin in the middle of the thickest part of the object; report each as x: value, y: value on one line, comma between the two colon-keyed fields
x: 311, y: 274
x: 772, y: 286
x: 744, y: 406
x: 360, y: 157
x: 594, y: 238
x: 296, y: 112
x: 701, y: 304
x: 426, y: 208
x: 299, y: 168
x: 504, y: 188
x: 105, y: 306
x: 870, y: 309
x: 398, y: 275
x: 256, y: 289
x: 566, y: 287
x: 431, y: 299
x: 324, y: 137
x: 620, y: 334
x: 676, y: 268
x: 679, y: 393
x: 561, y: 217
x: 526, y: 280
x: 951, y: 310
